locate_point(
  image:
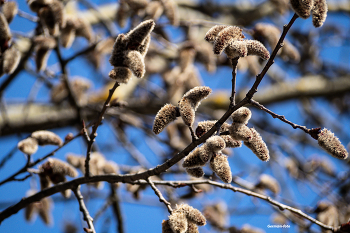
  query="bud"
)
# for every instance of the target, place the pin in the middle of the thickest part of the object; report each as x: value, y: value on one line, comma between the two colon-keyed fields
x: 195, y: 172
x: 239, y: 131
x: 28, y: 146
x: 53, y: 17
x: 192, y: 214
x: 256, y: 48
x: 302, y: 7
x: 219, y: 164
x: 257, y: 145
x: 236, y: 49
x: 120, y: 74
x: 194, y: 159
x: 134, y: 61
x: 171, y: 11
x: 167, y: 114
x: 225, y: 37
x: 205, y: 126
x: 83, y: 29
x: 230, y: 142
x: 11, y: 59
x: 137, y: 36
x: 268, y: 182
x: 68, y: 33
x: 46, y: 138
x: 178, y: 222
x: 9, y: 9
x: 241, y: 115
x: 213, y: 32
x: 330, y: 143
x: 190, y: 102
x: 319, y: 12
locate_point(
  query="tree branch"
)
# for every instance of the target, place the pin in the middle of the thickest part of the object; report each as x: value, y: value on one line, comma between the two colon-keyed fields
x: 84, y: 210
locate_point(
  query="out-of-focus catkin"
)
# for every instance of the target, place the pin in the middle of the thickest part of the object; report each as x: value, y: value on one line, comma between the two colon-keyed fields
x: 9, y: 9
x: 47, y: 138
x: 165, y: 115
x: 219, y: 164
x: 28, y: 146
x: 330, y: 143
x: 268, y: 182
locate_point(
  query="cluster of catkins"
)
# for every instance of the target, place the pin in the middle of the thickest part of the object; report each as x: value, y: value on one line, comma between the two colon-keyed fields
x: 231, y: 40
x: 98, y: 165
x: 187, y: 107
x: 184, y: 219
x: 211, y: 149
x: 56, y: 23
x: 304, y: 9
x: 38, y: 138
x: 9, y: 55
x: 129, y: 52
x: 147, y: 9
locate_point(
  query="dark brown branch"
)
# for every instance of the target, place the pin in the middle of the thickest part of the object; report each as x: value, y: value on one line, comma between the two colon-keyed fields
x: 160, y: 195
x: 116, y: 208
x: 234, y: 63
x: 84, y: 210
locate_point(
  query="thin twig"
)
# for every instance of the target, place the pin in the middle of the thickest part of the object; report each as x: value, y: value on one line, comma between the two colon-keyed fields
x: 82, y: 52
x: 116, y: 208
x: 160, y: 195
x: 27, y: 16
x: 84, y: 210
x: 93, y: 134
x: 234, y: 63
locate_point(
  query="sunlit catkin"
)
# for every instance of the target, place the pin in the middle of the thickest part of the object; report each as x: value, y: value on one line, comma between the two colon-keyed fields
x: 56, y: 166
x: 215, y: 143
x: 257, y: 48
x: 213, y: 32
x: 119, y: 48
x: 225, y: 37
x: 166, y: 227
x: 178, y: 222
x: 241, y: 115
x: 257, y: 146
x: 190, y: 102
x: 192, y: 227
x: 205, y: 126
x: 165, y: 115
x: 219, y: 164
x: 195, y: 172
x: 47, y: 138
x: 230, y: 142
x: 239, y: 131
x: 319, y: 12
x: 302, y: 7
x: 236, y: 49
x: 330, y: 143
x: 192, y: 214
x: 28, y: 146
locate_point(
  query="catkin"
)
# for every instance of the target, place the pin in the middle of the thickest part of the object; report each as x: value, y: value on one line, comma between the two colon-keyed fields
x: 257, y: 145
x: 302, y: 7
x: 120, y: 74
x: 134, y: 61
x: 195, y: 172
x: 319, y: 12
x: 225, y: 37
x: 241, y: 115
x: 47, y: 138
x: 9, y: 9
x: 137, y: 36
x: 192, y: 214
x: 178, y: 222
x: 236, y: 49
x: 213, y: 32
x: 28, y: 146
x: 165, y: 115
x: 239, y: 131
x: 268, y: 182
x: 194, y: 159
x: 257, y: 48
x: 219, y: 164
x: 11, y: 58
x: 330, y: 143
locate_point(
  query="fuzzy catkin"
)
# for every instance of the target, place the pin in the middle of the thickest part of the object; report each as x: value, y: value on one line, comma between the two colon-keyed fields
x: 119, y: 47
x: 28, y: 146
x: 215, y: 143
x: 178, y: 222
x: 187, y: 112
x: 302, y: 7
x: 11, y: 59
x: 236, y: 49
x: 56, y: 166
x: 137, y: 36
x: 241, y: 115
x: 165, y: 115
x: 194, y: 159
x: 120, y: 74
x: 255, y: 47
x: 9, y: 9
x: 68, y: 33
x: 47, y: 138
x: 5, y: 33
x: 239, y: 131
x: 205, y: 126
x: 225, y: 37
x: 195, y: 172
x: 171, y: 11
x: 330, y: 143
x: 213, y: 32
x: 192, y: 214
x: 257, y: 146
x: 134, y: 61
x: 230, y: 142
x: 219, y: 164
x: 166, y: 227
x: 196, y: 95
x: 84, y: 29
x: 154, y: 10
x: 319, y: 12
x: 192, y: 227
